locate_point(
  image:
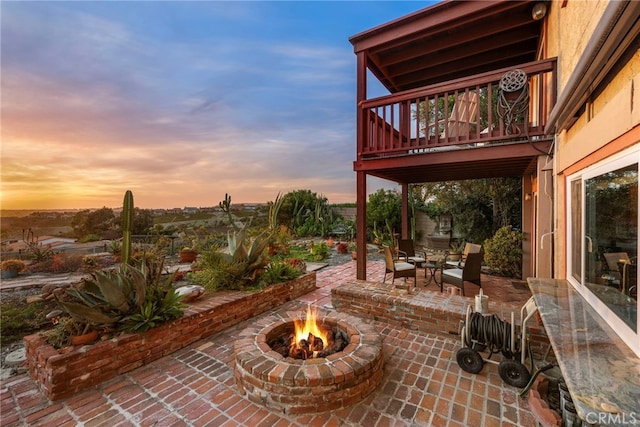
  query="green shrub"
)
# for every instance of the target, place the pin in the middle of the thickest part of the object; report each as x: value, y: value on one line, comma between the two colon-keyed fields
x: 90, y: 238
x: 503, y: 252
x: 239, y: 267
x: 161, y: 305
x: 58, y: 336
x: 20, y: 319
x: 280, y: 271
x: 318, y: 251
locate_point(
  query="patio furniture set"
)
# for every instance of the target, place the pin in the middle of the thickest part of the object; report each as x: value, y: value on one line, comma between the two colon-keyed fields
x: 405, y: 261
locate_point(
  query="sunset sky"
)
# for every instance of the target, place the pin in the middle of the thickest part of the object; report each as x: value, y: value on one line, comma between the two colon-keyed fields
x: 180, y: 102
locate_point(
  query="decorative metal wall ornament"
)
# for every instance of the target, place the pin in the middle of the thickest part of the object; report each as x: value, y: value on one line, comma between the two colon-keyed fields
x: 511, y: 105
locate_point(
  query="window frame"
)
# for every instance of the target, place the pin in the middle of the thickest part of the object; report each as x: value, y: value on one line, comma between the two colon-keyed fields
x: 619, y: 160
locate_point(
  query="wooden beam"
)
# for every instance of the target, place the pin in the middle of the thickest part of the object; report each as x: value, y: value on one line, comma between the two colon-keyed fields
x: 361, y: 225
x: 404, y: 233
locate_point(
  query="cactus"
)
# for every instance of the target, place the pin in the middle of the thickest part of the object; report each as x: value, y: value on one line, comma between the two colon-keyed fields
x: 225, y: 205
x: 274, y: 209
x: 127, y: 222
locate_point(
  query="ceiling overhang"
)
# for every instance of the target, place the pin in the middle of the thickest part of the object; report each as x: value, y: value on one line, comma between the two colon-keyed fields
x: 449, y: 40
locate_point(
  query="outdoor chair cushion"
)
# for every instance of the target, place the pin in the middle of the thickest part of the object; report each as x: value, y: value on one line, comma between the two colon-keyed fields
x: 455, y: 273
x: 402, y: 266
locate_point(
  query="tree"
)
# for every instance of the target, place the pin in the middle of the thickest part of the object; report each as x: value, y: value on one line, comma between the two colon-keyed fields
x: 104, y: 223
x: 384, y: 214
x: 296, y: 205
x: 79, y: 221
x: 142, y: 222
x: 306, y: 213
x: 478, y: 207
x: 506, y: 196
x: 97, y: 222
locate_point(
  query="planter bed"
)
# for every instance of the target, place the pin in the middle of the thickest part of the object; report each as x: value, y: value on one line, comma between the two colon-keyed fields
x: 61, y: 375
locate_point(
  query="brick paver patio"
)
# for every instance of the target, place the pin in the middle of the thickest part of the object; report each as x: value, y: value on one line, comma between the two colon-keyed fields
x: 422, y: 385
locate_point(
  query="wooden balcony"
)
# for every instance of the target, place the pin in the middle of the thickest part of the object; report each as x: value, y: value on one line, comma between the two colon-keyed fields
x: 453, y: 125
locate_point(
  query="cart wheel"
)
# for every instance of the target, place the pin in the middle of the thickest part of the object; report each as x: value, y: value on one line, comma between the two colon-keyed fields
x: 469, y: 360
x: 514, y: 373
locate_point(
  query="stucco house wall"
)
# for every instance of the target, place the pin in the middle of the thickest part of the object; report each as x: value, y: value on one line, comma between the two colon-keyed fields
x: 609, y: 115
x: 568, y: 29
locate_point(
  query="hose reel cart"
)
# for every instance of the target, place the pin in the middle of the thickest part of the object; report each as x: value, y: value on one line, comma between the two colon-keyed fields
x: 481, y: 333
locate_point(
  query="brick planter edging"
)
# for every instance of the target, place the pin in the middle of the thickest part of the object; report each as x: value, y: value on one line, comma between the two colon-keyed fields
x: 60, y: 375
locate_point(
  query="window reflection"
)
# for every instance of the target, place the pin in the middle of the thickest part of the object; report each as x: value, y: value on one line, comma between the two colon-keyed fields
x: 611, y: 240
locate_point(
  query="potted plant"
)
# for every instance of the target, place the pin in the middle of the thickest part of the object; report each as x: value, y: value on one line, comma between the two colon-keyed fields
x: 342, y: 248
x: 353, y: 249
x: 80, y: 333
x: 187, y: 254
x: 67, y: 331
x: 11, y: 268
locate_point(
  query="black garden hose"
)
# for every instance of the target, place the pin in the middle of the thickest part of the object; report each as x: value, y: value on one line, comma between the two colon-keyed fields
x: 491, y: 331
x: 537, y: 372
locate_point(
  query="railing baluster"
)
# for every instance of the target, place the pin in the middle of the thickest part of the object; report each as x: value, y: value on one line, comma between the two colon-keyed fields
x: 490, y: 124
x: 411, y: 121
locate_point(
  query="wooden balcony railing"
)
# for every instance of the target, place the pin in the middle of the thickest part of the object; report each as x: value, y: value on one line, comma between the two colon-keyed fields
x: 463, y: 112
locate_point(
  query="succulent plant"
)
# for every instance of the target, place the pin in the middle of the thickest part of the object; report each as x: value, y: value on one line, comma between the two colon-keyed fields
x: 111, y: 298
x: 236, y: 268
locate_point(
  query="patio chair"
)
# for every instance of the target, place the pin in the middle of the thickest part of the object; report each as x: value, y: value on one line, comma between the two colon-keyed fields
x: 463, y: 116
x: 469, y: 273
x: 398, y: 267
x: 613, y: 258
x: 620, y: 265
x: 469, y: 248
x: 406, y: 248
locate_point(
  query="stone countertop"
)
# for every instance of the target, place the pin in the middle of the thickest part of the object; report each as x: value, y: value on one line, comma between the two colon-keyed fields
x: 600, y: 370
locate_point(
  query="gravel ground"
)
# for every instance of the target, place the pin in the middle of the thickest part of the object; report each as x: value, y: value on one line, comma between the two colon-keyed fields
x: 10, y: 369
x: 20, y: 295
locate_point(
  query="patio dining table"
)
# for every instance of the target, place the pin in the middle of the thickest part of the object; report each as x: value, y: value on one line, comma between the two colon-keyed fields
x: 435, y: 261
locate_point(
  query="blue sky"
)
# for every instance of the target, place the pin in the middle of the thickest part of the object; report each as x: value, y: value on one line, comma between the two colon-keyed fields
x: 181, y: 102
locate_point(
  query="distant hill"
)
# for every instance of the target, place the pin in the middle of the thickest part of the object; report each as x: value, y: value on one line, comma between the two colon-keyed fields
x: 15, y: 213
x: 19, y: 213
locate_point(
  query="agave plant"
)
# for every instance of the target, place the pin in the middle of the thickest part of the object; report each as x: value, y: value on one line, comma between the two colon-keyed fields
x: 251, y: 258
x: 114, y: 298
x: 236, y: 268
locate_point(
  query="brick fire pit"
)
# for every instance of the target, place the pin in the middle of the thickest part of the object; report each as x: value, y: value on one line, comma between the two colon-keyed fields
x: 312, y: 385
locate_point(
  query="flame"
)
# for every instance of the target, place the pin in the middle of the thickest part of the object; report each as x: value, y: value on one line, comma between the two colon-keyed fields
x: 309, y: 325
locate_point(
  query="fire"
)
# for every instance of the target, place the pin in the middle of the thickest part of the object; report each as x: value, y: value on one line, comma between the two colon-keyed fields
x: 307, y: 329
x: 306, y: 338
x: 309, y: 326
